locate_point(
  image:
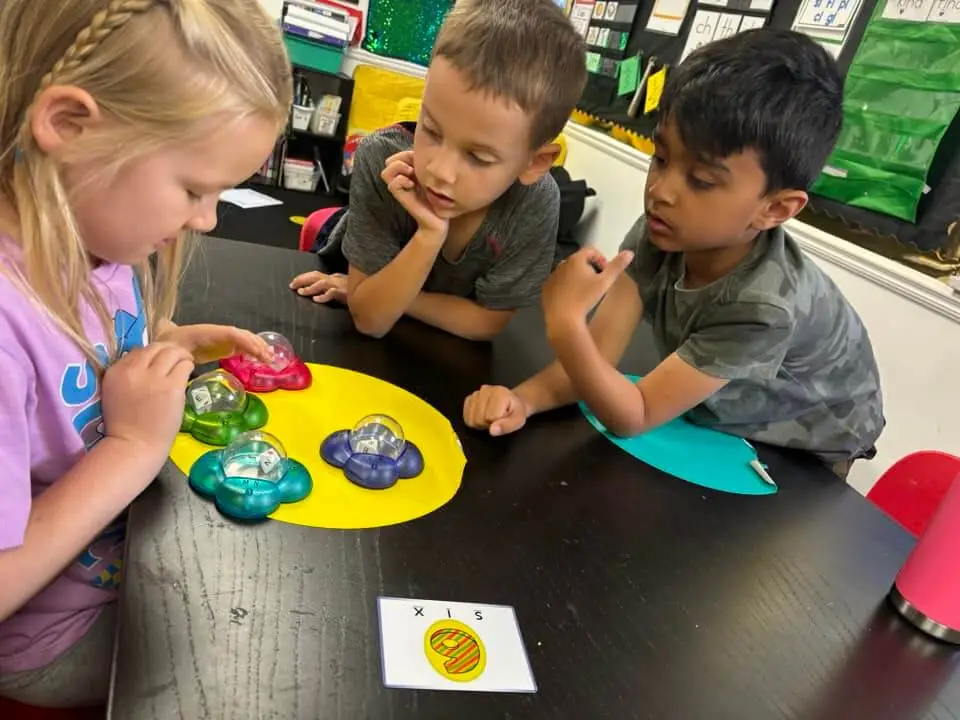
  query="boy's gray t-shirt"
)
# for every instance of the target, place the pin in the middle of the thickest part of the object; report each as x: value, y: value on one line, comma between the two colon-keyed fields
x: 501, y: 268
x: 801, y: 367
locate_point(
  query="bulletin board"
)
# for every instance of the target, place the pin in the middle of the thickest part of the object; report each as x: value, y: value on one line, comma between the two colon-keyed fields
x: 903, y: 182
x: 655, y: 34
x: 404, y: 29
x: 901, y: 98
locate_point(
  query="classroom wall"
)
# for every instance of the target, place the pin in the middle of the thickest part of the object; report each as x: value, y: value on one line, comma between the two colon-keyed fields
x: 273, y: 7
x: 912, y: 320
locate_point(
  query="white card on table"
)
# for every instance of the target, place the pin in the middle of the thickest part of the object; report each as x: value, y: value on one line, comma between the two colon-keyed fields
x: 247, y: 198
x: 436, y: 645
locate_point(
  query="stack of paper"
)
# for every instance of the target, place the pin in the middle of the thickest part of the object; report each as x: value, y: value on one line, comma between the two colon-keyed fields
x: 319, y: 21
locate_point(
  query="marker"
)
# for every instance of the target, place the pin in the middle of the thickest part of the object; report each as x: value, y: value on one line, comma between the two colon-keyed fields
x: 762, y: 472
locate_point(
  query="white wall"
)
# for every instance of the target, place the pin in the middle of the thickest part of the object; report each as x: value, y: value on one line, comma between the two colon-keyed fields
x: 913, y: 321
x: 273, y: 7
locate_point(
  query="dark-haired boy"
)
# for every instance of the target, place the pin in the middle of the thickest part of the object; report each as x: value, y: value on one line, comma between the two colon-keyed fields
x: 454, y: 221
x: 756, y: 340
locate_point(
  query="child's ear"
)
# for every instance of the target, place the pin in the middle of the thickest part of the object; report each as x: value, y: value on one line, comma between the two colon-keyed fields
x: 61, y: 114
x: 780, y: 207
x: 543, y: 159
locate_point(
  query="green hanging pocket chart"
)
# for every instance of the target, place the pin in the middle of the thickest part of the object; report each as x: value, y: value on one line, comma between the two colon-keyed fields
x: 901, y: 94
x: 629, y: 75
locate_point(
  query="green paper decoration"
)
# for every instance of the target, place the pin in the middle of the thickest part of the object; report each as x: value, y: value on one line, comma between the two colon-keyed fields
x: 902, y: 93
x: 404, y: 29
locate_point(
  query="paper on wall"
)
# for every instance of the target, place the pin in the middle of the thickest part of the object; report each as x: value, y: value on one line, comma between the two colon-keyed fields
x: 667, y: 16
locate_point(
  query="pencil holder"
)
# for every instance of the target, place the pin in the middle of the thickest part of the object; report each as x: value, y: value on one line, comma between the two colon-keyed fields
x: 300, y: 117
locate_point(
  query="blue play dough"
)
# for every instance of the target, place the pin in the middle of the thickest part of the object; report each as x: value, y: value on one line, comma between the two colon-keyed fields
x: 696, y: 454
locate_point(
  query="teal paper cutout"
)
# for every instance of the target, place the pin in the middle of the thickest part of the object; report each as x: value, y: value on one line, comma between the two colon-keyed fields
x: 693, y: 453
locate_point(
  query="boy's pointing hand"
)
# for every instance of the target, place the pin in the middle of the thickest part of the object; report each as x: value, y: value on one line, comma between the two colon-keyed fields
x: 579, y: 283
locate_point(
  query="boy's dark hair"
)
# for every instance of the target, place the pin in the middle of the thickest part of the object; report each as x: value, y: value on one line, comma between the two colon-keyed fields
x: 524, y: 51
x: 776, y: 92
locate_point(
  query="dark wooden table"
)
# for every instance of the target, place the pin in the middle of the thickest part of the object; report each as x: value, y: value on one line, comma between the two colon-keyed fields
x: 638, y: 595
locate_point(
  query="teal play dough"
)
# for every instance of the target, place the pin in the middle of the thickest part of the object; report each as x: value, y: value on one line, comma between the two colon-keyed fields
x: 696, y: 454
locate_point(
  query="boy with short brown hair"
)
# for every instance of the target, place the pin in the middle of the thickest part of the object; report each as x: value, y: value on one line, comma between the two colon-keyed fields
x: 453, y: 220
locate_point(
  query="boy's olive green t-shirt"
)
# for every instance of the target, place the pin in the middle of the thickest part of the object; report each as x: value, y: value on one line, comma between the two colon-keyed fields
x: 502, y: 268
x: 800, y: 364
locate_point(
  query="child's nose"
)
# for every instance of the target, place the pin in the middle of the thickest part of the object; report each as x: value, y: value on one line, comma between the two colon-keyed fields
x: 443, y: 167
x: 663, y: 190
x: 204, y: 220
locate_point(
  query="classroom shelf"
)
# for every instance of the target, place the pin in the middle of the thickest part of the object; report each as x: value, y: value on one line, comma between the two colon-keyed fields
x: 327, y: 150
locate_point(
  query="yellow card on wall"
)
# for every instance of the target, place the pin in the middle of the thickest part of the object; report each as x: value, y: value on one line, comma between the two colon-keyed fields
x: 654, y: 90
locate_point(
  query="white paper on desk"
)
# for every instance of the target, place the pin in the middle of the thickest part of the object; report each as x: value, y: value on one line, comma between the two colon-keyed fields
x: 407, y: 625
x: 667, y: 16
x: 247, y: 198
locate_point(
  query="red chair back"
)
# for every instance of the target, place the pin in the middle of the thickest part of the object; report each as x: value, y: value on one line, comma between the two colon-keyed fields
x: 912, y: 488
x: 310, y: 228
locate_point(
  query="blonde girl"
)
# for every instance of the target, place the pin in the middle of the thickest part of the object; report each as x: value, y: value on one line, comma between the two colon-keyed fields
x: 121, y: 121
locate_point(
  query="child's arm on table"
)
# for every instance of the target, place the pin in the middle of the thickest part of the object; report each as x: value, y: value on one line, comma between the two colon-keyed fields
x: 623, y: 407
x: 456, y: 315
x: 521, y: 264
x: 459, y: 316
x: 502, y: 410
x: 142, y: 407
x: 378, y: 300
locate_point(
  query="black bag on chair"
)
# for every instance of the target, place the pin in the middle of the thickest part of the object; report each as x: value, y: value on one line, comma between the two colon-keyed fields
x: 573, y: 195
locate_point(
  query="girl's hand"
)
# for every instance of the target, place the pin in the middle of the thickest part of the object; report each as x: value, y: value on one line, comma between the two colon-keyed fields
x: 321, y: 286
x: 208, y: 343
x: 143, y: 395
x: 402, y: 184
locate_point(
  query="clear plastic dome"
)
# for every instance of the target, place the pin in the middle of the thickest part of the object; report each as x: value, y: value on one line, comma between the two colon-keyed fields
x: 254, y: 454
x: 378, y: 435
x: 216, y: 391
x: 282, y: 350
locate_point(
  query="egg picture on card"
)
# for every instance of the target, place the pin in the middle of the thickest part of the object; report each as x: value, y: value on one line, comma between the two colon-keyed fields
x: 437, y: 645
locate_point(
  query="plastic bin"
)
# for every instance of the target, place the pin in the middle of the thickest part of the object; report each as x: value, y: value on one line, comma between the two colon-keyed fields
x: 301, y: 115
x: 300, y: 175
x: 325, y: 122
x: 314, y: 56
